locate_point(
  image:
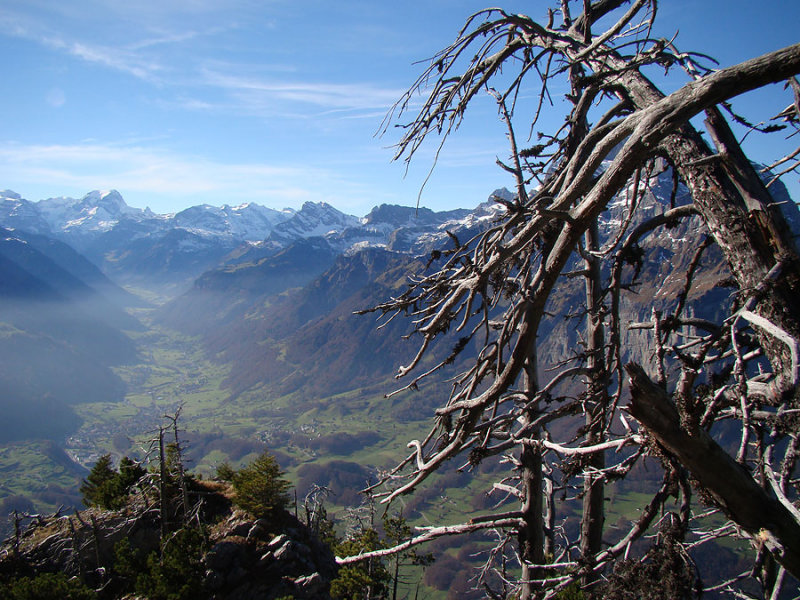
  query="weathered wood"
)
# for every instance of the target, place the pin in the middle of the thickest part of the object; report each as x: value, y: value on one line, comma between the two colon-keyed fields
x: 731, y: 486
x: 736, y: 207
x: 579, y: 171
x: 597, y: 403
x: 531, y: 533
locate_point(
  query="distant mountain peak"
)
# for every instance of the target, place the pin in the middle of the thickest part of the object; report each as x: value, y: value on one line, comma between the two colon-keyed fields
x: 396, y: 214
x: 314, y: 219
x: 184, y: 244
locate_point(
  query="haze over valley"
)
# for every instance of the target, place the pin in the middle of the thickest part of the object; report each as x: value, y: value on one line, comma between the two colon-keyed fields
x: 114, y: 316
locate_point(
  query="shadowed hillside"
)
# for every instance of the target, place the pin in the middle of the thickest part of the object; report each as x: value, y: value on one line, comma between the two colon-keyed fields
x: 58, y: 337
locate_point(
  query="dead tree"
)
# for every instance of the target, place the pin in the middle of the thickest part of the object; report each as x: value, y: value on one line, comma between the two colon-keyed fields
x: 171, y: 484
x: 619, y: 134
x: 179, y: 452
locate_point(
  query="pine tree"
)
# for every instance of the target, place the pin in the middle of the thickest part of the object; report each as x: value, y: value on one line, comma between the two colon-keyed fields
x: 365, y: 580
x: 98, y: 489
x: 107, y: 488
x: 260, y: 487
x: 46, y: 586
x: 130, y: 472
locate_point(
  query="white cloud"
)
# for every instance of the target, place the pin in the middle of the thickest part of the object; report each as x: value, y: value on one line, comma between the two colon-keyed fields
x: 261, y: 90
x: 110, y: 56
x: 164, y: 38
x: 271, y: 96
x: 146, y: 176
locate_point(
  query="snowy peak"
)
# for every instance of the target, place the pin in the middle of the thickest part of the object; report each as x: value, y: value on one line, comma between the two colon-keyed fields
x: 409, y: 216
x: 96, y: 211
x: 314, y: 219
x: 396, y: 216
x: 394, y: 227
x: 102, y: 211
x: 18, y: 213
x: 110, y: 201
x: 102, y: 224
x: 248, y: 222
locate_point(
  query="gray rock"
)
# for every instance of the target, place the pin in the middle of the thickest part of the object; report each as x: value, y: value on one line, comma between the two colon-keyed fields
x: 295, y: 555
x: 278, y: 541
x: 222, y: 555
x: 258, y: 530
x: 266, y: 559
x: 286, y: 551
x: 310, y: 586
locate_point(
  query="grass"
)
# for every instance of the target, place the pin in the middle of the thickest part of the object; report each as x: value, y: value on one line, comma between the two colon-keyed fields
x: 174, y: 371
x: 30, y: 469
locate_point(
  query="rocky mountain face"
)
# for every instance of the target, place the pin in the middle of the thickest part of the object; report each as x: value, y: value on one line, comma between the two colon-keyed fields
x: 304, y: 336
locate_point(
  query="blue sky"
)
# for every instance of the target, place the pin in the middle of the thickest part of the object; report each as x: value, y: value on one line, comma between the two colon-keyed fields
x: 182, y: 102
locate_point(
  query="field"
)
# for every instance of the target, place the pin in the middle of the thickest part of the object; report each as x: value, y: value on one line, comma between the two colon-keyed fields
x: 342, y: 442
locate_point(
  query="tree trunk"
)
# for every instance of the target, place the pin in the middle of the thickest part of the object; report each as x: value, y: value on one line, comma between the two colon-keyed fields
x: 593, y: 517
x: 750, y: 233
x: 181, y: 473
x: 531, y: 534
x: 770, y: 524
x: 749, y: 240
x: 162, y: 485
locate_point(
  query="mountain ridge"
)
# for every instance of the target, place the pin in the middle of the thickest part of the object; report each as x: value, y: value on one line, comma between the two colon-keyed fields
x: 139, y: 248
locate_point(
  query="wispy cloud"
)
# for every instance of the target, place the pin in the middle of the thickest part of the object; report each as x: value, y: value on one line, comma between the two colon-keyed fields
x: 262, y: 90
x: 119, y: 59
x: 115, y: 57
x: 273, y: 95
x: 150, y: 175
x: 164, y: 39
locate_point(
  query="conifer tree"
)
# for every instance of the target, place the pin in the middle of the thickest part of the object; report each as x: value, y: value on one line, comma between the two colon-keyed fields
x: 366, y: 580
x: 98, y: 489
x: 260, y: 487
x: 107, y: 488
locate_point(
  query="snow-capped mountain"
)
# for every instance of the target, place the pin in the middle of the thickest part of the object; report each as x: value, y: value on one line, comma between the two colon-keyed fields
x: 18, y: 213
x: 96, y: 211
x: 136, y: 246
x: 248, y: 222
x: 102, y: 211
x: 397, y: 228
x: 85, y: 222
x: 312, y: 220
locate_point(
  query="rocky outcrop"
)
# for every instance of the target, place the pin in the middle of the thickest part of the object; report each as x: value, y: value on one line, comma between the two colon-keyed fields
x: 249, y: 560
x: 243, y: 558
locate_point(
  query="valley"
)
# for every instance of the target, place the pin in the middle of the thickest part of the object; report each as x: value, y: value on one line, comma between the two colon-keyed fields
x: 257, y: 344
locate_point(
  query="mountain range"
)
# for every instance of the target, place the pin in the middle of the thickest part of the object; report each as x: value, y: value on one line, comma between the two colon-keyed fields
x: 139, y: 248
x: 269, y: 294
x: 75, y: 275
